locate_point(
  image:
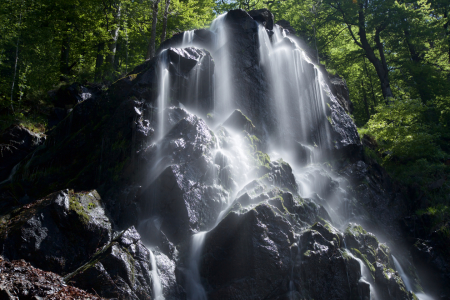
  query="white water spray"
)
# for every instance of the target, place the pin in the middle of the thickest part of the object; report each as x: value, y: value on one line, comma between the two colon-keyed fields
x: 195, y: 289
x: 157, y: 287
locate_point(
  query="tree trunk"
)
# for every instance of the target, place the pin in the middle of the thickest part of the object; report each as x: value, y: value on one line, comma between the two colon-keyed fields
x: 151, y: 45
x: 99, y: 61
x: 112, y: 44
x: 166, y: 12
x: 64, y: 59
x: 417, y: 73
x: 371, y: 86
x: 366, y: 104
x: 380, y: 66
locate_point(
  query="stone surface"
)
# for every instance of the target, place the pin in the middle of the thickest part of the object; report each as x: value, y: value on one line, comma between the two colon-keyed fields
x: 16, y: 142
x: 263, y: 16
x: 20, y: 280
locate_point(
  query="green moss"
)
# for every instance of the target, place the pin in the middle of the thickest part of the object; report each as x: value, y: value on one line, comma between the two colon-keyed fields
x: 77, y: 207
x: 355, y: 230
x: 307, y: 253
x: 364, y: 259
x: 262, y: 159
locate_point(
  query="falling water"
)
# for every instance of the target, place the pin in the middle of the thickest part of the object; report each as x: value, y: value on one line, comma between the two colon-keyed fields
x: 297, y: 88
x: 224, y: 92
x: 299, y: 96
x: 407, y: 281
x: 366, y: 276
x: 195, y: 289
x: 402, y: 273
x: 163, y: 88
x: 188, y: 38
x: 157, y: 288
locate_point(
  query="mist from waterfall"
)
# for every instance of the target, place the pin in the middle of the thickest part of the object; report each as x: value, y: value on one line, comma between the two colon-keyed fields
x: 299, y: 97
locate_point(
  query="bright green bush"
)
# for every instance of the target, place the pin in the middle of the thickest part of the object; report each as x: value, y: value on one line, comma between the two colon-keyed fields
x: 402, y: 131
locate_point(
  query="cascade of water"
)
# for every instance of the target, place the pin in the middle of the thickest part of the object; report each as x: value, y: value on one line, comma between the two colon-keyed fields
x: 157, y: 287
x: 163, y: 88
x: 188, y: 38
x: 195, y: 289
x: 224, y: 92
x: 402, y: 273
x: 296, y: 87
x: 366, y: 276
x: 407, y: 281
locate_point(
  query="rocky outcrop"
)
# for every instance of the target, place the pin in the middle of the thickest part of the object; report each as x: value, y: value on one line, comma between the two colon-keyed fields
x: 16, y: 142
x: 68, y: 233
x: 20, y: 280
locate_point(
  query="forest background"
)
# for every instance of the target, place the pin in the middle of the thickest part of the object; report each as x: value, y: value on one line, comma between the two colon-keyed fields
x: 393, y: 54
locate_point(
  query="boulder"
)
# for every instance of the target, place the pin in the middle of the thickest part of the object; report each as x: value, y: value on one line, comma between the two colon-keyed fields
x: 286, y: 26
x: 20, y: 280
x: 16, y: 142
x: 247, y: 256
x: 179, y: 190
x: 68, y: 233
x: 239, y: 122
x: 264, y: 16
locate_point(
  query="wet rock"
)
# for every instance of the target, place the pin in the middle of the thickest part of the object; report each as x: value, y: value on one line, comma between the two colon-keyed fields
x: 47, y: 232
x: 264, y: 16
x: 69, y: 96
x: 191, y: 80
x: 172, y: 290
x: 286, y: 25
x: 20, y: 280
x: 303, y: 154
x: 247, y: 255
x: 119, y: 270
x: 323, y: 270
x: 340, y: 90
x: 239, y: 122
x: 16, y: 142
x: 180, y: 190
x: 378, y: 259
x: 183, y: 60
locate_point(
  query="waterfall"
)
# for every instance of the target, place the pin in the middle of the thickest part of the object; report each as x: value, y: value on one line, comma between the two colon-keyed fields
x: 298, y: 94
x: 157, y: 288
x: 296, y: 86
x: 366, y: 276
x: 402, y: 273
x: 195, y: 289
x: 224, y: 92
x: 163, y: 88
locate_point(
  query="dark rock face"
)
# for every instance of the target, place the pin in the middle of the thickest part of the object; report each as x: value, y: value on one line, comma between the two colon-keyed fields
x: 264, y: 16
x: 340, y: 90
x: 238, y: 121
x: 237, y: 251
x: 183, y: 195
x: 378, y: 259
x: 48, y: 232
x: 286, y: 26
x: 191, y: 78
x: 16, y: 142
x: 66, y: 97
x: 69, y: 233
x: 20, y: 280
x: 120, y: 270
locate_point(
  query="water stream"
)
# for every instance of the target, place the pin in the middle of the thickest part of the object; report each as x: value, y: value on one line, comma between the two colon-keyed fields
x: 157, y: 287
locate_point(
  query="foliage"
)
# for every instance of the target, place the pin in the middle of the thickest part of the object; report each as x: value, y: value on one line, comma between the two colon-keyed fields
x: 402, y: 131
x: 45, y: 41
